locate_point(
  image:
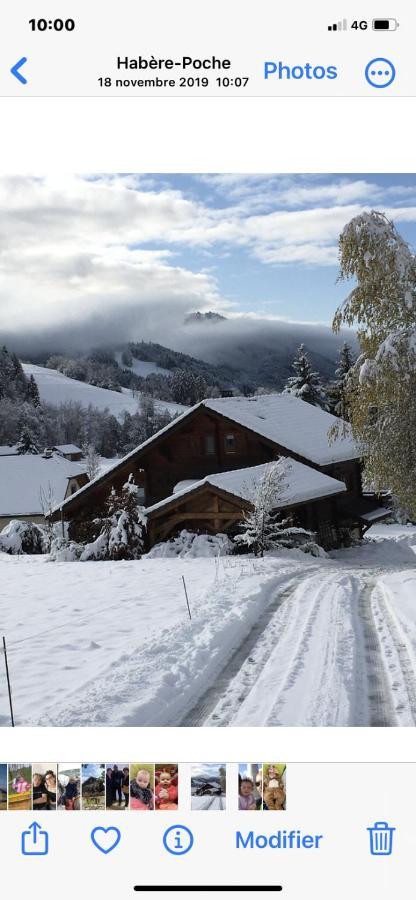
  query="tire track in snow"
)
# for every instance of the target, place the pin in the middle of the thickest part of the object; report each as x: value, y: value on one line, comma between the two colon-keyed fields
x: 285, y: 681
x: 398, y: 657
x: 304, y: 680
x: 287, y: 664
x: 381, y: 709
x: 247, y: 662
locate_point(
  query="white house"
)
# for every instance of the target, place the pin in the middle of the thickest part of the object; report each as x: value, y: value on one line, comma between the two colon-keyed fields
x: 31, y: 484
x: 69, y: 451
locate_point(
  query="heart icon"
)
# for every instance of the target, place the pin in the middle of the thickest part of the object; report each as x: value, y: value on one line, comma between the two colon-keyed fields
x: 105, y: 839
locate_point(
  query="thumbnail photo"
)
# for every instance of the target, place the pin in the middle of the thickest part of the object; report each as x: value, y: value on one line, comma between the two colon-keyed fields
x: 20, y: 786
x: 117, y: 786
x: 209, y: 786
x: 3, y: 786
x: 93, y: 786
x: 44, y: 786
x: 69, y: 787
x: 142, y: 786
x: 207, y: 466
x: 274, y: 786
x: 167, y: 786
x: 250, y: 791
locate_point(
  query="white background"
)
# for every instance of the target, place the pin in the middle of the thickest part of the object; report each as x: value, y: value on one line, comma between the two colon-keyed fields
x: 338, y: 802
x: 246, y: 33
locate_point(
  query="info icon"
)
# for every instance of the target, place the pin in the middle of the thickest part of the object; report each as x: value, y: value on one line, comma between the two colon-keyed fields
x: 178, y: 840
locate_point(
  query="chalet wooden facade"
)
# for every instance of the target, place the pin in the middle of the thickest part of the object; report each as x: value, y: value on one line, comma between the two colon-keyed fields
x: 225, y: 435
x: 218, y: 503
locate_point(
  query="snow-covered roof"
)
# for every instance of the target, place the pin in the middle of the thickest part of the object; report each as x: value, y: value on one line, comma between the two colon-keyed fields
x: 67, y: 448
x: 301, y: 483
x: 23, y: 478
x: 6, y: 450
x: 294, y: 424
x: 187, y: 482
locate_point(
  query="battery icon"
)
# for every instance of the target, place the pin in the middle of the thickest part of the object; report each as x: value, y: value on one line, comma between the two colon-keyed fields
x: 385, y: 24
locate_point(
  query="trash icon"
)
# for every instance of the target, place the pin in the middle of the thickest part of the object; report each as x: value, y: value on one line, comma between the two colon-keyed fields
x: 381, y: 839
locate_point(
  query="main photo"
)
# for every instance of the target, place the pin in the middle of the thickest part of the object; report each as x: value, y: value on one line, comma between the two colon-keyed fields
x: 208, y: 450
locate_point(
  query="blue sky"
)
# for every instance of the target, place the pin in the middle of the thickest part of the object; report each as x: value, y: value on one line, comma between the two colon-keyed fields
x: 304, y: 288
x: 91, y: 770
x: 125, y: 257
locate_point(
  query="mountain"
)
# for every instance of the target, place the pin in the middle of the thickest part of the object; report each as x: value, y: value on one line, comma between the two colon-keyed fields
x: 228, y: 354
x: 240, y: 360
x: 167, y: 360
x: 210, y: 317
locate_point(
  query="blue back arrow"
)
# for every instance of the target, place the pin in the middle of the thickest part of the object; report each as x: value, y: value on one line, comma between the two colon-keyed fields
x: 15, y: 70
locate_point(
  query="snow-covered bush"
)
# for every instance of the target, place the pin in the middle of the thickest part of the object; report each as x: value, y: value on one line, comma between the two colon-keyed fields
x: 192, y: 545
x: 121, y: 531
x: 313, y: 548
x: 23, y: 537
x: 96, y: 550
x: 63, y: 550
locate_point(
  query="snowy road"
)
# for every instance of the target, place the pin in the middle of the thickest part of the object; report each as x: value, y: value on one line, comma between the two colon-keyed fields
x: 334, y: 652
x: 288, y: 640
x: 208, y: 803
x: 327, y: 657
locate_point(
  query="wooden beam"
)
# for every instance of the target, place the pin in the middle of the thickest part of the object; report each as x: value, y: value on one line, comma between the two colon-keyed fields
x: 223, y: 516
x: 229, y: 522
x: 218, y: 517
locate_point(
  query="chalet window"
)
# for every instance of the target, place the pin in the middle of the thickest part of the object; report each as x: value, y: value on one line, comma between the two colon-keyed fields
x: 230, y: 443
x: 209, y: 444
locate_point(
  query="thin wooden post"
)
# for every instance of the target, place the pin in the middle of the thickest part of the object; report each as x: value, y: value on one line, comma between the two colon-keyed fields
x: 186, y: 595
x: 8, y: 681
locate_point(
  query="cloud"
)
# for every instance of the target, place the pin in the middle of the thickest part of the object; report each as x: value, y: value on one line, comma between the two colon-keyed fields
x: 118, y: 257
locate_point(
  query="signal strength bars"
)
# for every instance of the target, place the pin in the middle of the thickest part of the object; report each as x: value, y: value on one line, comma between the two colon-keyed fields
x: 339, y: 26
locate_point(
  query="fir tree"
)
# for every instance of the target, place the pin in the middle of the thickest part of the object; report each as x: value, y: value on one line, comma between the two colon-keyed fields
x: 337, y: 390
x: 122, y: 532
x: 147, y: 414
x: 19, y: 378
x: 346, y: 362
x: 305, y: 383
x: 187, y: 387
x: 126, y: 538
x: 32, y: 392
x: 26, y: 444
x: 6, y: 374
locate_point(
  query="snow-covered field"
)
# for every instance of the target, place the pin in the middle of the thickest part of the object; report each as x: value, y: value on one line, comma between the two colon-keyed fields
x: 54, y: 387
x: 142, y: 367
x: 288, y: 640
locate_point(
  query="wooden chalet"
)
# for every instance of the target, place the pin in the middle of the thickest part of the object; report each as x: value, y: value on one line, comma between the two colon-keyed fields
x: 228, y: 434
x: 218, y: 502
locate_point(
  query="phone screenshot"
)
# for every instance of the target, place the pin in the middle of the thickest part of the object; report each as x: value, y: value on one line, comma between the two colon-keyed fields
x: 207, y: 450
